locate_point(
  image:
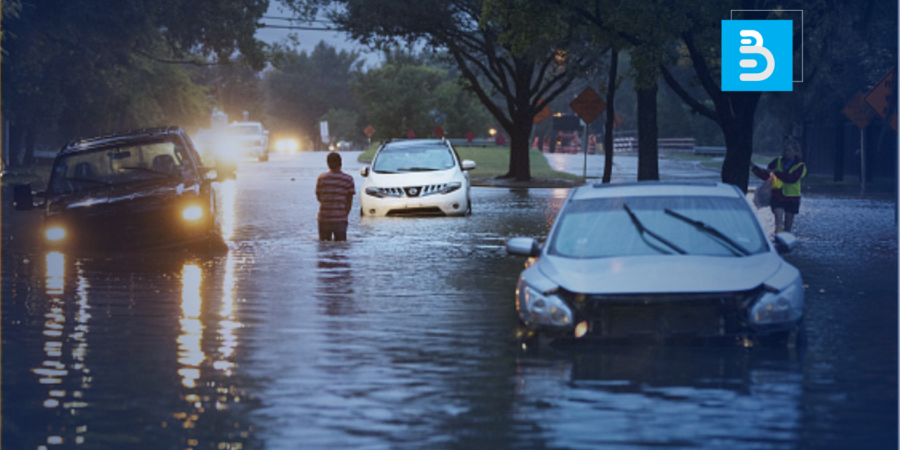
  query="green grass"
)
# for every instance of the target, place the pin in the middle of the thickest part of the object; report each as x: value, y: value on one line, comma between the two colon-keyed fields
x: 493, y: 161
x: 715, y: 162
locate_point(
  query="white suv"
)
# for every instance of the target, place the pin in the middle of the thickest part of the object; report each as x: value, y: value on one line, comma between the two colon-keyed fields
x: 251, y: 138
x: 416, y: 177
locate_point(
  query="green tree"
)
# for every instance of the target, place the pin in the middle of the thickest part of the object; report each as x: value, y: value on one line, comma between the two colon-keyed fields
x: 513, y: 87
x: 79, y: 67
x: 344, y: 125
x: 301, y: 92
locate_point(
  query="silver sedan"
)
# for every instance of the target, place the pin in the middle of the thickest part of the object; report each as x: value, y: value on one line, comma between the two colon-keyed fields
x: 662, y: 261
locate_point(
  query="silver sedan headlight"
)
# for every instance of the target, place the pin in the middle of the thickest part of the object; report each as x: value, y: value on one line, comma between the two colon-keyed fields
x: 778, y: 306
x: 546, y: 309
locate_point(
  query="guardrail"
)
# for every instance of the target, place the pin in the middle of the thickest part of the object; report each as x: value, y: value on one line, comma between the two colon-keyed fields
x: 676, y: 144
x: 710, y: 151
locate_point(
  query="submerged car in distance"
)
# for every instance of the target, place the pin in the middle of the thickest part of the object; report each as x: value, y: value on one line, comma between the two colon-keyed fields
x: 137, y: 189
x: 249, y: 139
x: 217, y: 150
x: 658, y: 261
x: 423, y: 177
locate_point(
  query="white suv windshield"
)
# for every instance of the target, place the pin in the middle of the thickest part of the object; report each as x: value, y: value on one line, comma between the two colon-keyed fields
x: 598, y: 228
x: 243, y: 130
x: 396, y: 159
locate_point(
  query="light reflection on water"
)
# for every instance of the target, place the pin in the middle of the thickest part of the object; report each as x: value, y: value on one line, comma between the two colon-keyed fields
x: 64, y: 373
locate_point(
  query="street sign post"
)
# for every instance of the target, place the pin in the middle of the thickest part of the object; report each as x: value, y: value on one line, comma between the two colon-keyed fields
x: 588, y: 105
x: 858, y: 111
x: 369, y: 130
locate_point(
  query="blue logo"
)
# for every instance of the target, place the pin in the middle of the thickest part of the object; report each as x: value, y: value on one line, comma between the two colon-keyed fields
x: 757, y: 55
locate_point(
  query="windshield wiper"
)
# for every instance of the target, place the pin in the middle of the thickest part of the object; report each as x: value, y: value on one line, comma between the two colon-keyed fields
x: 92, y: 180
x: 415, y: 169
x: 144, y: 169
x: 709, y: 230
x: 642, y: 229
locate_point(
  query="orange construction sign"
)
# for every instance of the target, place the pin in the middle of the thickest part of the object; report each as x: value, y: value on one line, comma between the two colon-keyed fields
x: 543, y: 114
x: 858, y: 111
x: 883, y: 100
x: 588, y: 105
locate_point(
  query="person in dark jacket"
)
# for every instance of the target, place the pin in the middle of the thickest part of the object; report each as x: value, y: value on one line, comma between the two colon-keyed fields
x: 787, y: 171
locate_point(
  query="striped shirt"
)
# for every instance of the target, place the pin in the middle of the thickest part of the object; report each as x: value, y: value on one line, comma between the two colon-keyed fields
x: 334, y: 190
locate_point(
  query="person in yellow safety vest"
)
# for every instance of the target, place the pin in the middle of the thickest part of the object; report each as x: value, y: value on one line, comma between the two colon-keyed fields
x: 787, y: 171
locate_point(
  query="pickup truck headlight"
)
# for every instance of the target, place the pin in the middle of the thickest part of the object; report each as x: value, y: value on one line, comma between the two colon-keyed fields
x: 192, y: 213
x: 55, y: 233
x: 536, y: 308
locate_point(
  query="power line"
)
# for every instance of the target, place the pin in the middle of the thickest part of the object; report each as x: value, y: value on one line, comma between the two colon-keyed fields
x: 292, y: 27
x: 294, y: 19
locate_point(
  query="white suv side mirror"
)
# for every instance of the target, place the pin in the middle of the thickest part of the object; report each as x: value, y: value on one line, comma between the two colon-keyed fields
x: 364, y: 171
x: 468, y: 164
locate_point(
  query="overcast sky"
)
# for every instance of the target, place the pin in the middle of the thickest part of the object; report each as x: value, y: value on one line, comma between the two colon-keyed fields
x: 309, y: 39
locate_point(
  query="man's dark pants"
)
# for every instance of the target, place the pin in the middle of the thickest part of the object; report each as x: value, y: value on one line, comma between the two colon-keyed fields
x: 332, y: 231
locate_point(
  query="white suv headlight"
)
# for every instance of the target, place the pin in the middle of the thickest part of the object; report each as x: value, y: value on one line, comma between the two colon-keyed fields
x: 537, y: 308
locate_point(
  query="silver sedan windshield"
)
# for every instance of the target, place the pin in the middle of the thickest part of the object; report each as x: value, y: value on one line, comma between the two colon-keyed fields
x: 596, y: 228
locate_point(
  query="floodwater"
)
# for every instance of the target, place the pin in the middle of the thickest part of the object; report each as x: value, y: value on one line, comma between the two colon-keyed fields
x: 404, y: 337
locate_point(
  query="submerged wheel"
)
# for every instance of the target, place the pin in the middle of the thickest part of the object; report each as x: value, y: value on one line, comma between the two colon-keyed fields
x: 468, y: 207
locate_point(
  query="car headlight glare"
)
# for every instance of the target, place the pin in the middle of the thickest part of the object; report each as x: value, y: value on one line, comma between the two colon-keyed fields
x: 543, y: 309
x: 55, y: 233
x: 287, y: 145
x: 192, y: 213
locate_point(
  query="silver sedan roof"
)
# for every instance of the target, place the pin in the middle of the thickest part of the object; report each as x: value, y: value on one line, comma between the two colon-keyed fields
x: 656, y: 188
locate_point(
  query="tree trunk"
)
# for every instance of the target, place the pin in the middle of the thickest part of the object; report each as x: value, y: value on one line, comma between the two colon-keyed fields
x: 739, y: 143
x: 610, y: 117
x: 15, y: 145
x: 28, y: 158
x: 519, y: 162
x: 839, y: 148
x: 648, y: 134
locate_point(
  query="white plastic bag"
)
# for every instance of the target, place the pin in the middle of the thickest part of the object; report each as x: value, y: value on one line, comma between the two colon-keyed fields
x: 763, y: 196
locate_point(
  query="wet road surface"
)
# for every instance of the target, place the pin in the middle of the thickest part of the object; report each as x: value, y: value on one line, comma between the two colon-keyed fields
x: 403, y: 337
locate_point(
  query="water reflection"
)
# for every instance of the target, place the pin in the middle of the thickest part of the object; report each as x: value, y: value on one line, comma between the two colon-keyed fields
x: 63, y: 374
x: 190, y: 351
x: 334, y: 276
x: 696, y: 392
x: 226, y: 194
x: 209, y: 389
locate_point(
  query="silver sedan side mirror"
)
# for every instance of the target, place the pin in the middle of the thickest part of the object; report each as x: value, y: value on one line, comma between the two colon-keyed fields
x: 785, y: 242
x: 523, y: 247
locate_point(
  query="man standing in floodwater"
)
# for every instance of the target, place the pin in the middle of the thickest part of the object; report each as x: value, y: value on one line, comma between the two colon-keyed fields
x: 334, y: 190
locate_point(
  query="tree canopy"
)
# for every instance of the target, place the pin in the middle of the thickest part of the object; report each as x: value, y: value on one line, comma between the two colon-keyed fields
x: 80, y: 67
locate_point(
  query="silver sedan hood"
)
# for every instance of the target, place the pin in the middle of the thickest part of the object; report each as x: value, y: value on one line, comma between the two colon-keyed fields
x: 660, y: 274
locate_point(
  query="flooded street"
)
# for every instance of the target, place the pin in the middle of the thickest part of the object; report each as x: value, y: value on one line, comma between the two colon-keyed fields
x: 404, y: 337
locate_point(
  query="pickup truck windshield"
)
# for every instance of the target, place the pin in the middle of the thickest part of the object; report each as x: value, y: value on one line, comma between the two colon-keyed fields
x: 118, y: 165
